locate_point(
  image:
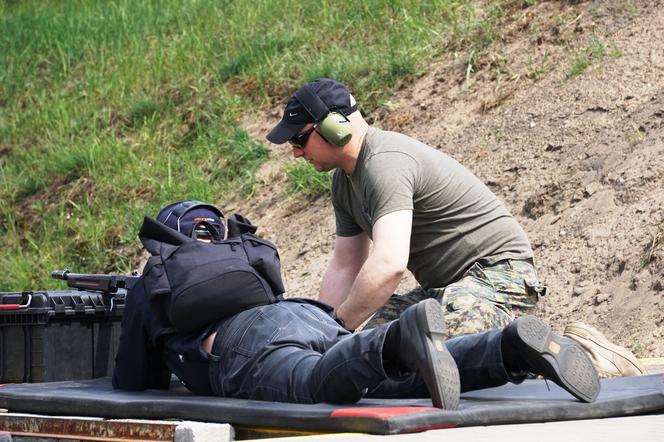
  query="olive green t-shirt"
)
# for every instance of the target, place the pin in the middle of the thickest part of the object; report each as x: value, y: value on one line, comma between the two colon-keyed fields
x: 457, y: 220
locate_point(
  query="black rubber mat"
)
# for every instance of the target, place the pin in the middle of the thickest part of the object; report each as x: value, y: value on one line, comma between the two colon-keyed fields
x: 532, y: 401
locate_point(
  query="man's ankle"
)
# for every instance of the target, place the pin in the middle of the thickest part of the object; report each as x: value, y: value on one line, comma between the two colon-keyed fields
x: 513, y: 359
x: 392, y: 343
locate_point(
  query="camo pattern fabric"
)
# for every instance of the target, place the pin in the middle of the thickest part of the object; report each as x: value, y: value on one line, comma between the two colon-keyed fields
x: 484, y: 298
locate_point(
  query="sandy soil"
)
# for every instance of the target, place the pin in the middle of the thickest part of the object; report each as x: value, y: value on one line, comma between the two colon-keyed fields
x: 578, y: 160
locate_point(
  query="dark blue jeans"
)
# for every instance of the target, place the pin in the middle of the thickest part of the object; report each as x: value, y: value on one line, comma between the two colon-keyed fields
x: 295, y: 352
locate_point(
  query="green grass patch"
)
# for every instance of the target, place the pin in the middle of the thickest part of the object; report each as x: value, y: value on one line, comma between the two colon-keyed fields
x: 109, y: 110
x: 235, y: 161
x: 304, y: 180
x: 596, y: 50
x: 637, y: 347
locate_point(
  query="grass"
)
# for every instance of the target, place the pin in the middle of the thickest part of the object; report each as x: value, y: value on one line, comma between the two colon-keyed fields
x: 649, y: 255
x: 304, y: 180
x: 596, y: 50
x: 637, y: 347
x: 109, y: 110
x: 631, y: 8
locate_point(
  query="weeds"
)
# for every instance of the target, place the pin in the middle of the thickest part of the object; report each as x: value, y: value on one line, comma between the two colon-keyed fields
x: 304, y: 180
x: 482, y: 28
x: 637, y: 347
x: 535, y: 70
x: 636, y: 135
x: 469, y: 65
x: 246, y: 156
x: 657, y: 240
x: 596, y: 50
x: 631, y: 8
x: 142, y: 111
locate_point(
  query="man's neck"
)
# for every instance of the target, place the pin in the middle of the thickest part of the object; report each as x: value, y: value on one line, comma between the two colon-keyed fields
x: 352, y: 150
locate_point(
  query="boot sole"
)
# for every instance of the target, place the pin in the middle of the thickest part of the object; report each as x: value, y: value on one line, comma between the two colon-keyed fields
x: 443, y: 379
x: 572, y: 366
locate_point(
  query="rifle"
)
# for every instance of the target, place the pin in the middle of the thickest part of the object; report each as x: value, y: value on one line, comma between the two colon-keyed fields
x: 96, y: 283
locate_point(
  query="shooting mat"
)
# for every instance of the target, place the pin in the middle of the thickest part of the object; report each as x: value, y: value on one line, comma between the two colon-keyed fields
x: 532, y: 401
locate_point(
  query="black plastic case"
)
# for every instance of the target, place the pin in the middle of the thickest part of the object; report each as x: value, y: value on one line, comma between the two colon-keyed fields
x: 58, y: 335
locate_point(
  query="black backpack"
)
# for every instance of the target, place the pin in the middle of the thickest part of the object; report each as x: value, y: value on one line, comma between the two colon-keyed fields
x: 191, y: 284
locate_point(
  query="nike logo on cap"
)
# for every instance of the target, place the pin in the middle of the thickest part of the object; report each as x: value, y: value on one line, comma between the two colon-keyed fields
x: 291, y: 114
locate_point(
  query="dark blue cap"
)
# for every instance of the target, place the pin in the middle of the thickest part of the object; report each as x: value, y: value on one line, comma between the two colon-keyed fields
x: 334, y: 96
x: 184, y: 216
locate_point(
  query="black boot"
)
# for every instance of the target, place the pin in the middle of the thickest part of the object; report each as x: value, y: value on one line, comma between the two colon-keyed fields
x: 528, y: 344
x: 422, y: 350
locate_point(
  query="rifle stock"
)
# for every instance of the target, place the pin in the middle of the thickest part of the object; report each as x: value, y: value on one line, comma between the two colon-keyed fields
x: 96, y: 283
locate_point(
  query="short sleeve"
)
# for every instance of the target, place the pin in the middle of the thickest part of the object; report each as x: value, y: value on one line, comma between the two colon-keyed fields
x: 390, y: 183
x: 345, y: 224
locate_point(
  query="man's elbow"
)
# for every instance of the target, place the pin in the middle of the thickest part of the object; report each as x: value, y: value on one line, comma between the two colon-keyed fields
x: 398, y: 272
x: 393, y: 269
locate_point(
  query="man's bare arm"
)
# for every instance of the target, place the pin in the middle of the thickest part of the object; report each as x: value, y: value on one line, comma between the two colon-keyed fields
x: 382, y: 271
x: 349, y: 255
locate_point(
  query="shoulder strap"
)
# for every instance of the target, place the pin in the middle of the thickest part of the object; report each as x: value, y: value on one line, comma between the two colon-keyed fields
x: 216, y: 237
x: 153, y: 233
x: 238, y: 224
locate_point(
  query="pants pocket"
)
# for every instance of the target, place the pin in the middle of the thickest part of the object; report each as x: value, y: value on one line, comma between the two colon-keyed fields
x: 259, y: 332
x: 514, y: 283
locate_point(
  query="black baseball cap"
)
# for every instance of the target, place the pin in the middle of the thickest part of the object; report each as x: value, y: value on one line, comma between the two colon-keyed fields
x: 332, y: 93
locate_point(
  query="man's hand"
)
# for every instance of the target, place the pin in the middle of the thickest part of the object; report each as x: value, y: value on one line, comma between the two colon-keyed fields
x: 382, y: 271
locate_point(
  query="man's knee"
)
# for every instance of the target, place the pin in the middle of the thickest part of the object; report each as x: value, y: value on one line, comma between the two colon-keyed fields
x: 397, y: 305
x: 468, y: 314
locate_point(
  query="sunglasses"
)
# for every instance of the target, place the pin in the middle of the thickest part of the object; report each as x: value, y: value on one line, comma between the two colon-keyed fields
x: 203, y: 234
x: 300, y: 139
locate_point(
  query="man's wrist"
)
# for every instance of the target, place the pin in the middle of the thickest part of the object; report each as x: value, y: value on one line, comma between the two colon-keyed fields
x: 342, y: 323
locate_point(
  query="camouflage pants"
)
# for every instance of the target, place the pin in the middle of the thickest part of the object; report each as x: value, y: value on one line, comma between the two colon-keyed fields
x: 484, y: 298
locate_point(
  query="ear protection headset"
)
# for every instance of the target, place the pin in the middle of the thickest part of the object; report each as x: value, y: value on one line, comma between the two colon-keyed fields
x: 333, y: 126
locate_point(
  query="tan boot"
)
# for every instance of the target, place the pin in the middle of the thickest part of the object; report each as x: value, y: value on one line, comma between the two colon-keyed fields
x: 609, y: 359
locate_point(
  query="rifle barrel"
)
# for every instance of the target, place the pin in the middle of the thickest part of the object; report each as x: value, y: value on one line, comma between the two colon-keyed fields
x: 99, y: 283
x: 60, y: 274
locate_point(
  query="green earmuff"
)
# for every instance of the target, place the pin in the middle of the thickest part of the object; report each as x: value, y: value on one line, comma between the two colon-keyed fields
x: 333, y: 126
x: 336, y: 129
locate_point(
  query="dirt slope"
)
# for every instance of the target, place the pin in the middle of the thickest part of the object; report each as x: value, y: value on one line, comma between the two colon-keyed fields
x: 579, y: 160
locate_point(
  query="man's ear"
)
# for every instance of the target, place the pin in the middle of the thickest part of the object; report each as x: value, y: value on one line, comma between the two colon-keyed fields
x: 336, y: 129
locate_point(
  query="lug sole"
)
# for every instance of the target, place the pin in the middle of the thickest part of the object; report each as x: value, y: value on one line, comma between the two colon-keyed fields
x: 443, y: 379
x: 572, y: 366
